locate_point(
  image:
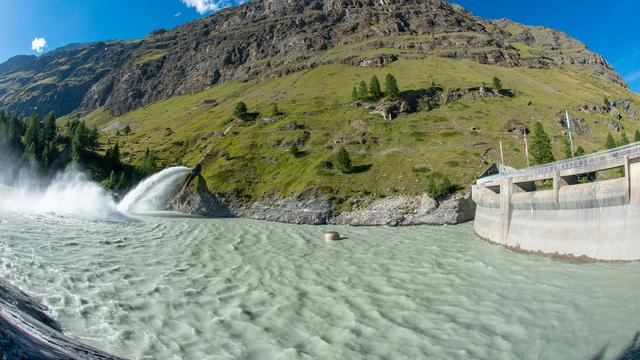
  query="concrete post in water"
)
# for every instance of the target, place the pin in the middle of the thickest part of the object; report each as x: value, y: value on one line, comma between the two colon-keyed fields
x: 506, y: 190
x: 331, y: 236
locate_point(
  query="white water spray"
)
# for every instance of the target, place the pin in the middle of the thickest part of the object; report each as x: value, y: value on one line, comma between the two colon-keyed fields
x: 153, y: 193
x: 71, y: 192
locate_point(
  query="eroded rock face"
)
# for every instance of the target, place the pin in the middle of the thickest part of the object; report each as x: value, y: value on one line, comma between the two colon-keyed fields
x: 268, y: 38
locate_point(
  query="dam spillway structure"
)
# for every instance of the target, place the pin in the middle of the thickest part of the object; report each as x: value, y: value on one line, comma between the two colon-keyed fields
x: 598, y: 220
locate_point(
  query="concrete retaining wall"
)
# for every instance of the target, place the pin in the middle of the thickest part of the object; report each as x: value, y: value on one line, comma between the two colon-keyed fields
x: 599, y: 220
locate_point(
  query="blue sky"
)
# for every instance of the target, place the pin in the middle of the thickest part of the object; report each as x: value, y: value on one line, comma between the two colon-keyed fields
x: 609, y: 28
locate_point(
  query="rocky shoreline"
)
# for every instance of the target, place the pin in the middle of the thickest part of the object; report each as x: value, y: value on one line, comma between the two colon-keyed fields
x: 27, y: 331
x: 401, y: 210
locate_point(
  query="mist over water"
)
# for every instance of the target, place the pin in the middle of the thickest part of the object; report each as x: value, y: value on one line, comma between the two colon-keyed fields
x: 72, y: 192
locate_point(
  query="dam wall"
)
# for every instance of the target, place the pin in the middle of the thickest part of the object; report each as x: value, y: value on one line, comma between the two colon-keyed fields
x: 599, y: 220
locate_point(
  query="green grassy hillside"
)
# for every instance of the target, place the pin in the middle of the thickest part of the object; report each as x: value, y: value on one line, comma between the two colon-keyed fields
x: 397, y: 156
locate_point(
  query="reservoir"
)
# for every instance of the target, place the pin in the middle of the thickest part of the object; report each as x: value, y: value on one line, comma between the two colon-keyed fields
x: 171, y: 287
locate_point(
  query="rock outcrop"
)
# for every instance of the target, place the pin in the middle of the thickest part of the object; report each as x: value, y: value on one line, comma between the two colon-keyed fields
x: 410, y: 211
x: 318, y: 210
x: 269, y: 38
x: 196, y: 199
x: 27, y: 331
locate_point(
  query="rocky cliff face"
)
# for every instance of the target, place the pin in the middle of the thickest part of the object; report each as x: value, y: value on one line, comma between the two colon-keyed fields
x: 272, y: 38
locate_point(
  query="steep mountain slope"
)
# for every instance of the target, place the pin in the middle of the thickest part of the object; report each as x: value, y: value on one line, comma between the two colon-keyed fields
x: 177, y: 91
x: 271, y: 38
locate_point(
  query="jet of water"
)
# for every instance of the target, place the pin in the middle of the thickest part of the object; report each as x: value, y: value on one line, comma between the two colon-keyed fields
x: 153, y: 193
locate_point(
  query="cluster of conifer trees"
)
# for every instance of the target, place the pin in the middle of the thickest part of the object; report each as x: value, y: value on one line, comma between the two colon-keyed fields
x: 47, y: 147
x: 373, y: 91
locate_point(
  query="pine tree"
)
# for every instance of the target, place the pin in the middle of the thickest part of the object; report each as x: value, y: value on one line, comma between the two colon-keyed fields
x: 624, y: 140
x: 49, y: 155
x: 354, y: 94
x: 33, y: 138
x: 566, y: 148
x: 607, y: 103
x: 611, y: 143
x: 240, y: 109
x: 343, y: 161
x: 148, y: 165
x: 49, y: 129
x: 636, y: 136
x: 78, y: 141
x: 126, y: 130
x: 363, y: 91
x: 391, y: 89
x: 497, y: 83
x: 541, y: 146
x: 374, y: 89
x: 580, y: 151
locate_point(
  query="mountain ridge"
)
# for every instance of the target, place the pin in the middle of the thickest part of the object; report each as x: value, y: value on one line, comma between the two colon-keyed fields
x: 271, y: 38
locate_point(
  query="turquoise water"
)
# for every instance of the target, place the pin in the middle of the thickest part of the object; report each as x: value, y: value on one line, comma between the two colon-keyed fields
x: 168, y: 287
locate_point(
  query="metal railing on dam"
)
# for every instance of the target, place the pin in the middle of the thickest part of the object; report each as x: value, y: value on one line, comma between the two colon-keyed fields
x: 598, y: 219
x: 601, y: 160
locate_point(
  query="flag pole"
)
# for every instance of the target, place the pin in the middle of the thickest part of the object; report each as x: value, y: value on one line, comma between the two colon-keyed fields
x: 501, y: 158
x: 569, y: 130
x: 526, y: 147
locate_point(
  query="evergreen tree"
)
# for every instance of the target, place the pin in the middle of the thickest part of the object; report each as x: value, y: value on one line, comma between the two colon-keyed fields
x: 49, y: 155
x: 636, y: 136
x: 354, y: 94
x: 126, y: 130
x: 112, y: 158
x: 497, y: 83
x: 148, y: 165
x: 49, y: 130
x: 78, y: 141
x: 580, y: 151
x: 566, y: 148
x: 33, y: 138
x: 343, y: 161
x: 374, y: 89
x: 607, y: 103
x: 240, y: 109
x: 624, y: 140
x: 611, y: 143
x: 541, y: 146
x: 391, y: 89
x: 363, y: 91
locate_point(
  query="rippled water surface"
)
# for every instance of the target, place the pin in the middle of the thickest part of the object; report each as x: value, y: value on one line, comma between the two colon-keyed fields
x: 171, y: 288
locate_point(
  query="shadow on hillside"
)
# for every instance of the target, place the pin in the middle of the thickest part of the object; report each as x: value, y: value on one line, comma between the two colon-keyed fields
x: 631, y: 352
x: 359, y: 169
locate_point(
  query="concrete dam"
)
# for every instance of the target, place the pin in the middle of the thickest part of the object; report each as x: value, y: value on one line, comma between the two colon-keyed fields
x: 598, y: 220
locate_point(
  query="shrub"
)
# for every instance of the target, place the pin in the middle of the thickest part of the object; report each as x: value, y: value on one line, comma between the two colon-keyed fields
x: 497, y: 83
x: 391, y: 88
x: 439, y: 191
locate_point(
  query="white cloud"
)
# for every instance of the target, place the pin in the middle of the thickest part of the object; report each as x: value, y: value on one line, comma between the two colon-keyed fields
x: 38, y: 44
x: 205, y: 6
x: 177, y: 14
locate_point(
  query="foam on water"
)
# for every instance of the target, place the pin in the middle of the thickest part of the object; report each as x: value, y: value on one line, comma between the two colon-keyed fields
x: 227, y: 289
